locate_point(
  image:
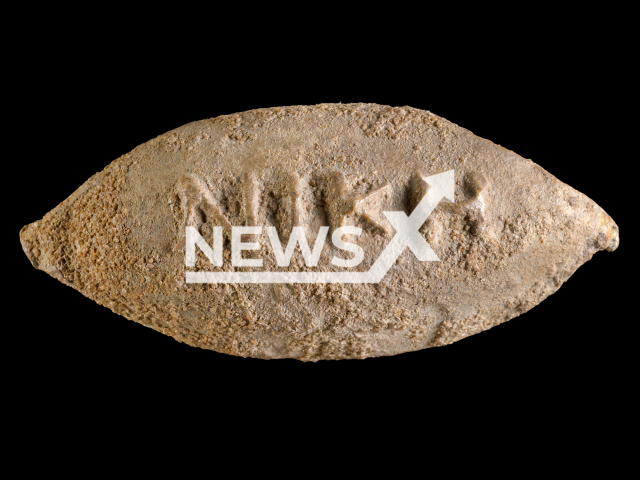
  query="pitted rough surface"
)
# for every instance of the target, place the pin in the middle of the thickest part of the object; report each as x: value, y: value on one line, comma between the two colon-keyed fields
x: 514, y: 234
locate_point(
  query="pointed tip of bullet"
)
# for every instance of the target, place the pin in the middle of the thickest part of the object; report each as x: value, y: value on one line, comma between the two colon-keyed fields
x: 610, y: 236
x: 28, y: 245
x: 41, y: 250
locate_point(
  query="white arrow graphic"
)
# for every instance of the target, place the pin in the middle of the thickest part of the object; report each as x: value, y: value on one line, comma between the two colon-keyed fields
x: 407, y: 235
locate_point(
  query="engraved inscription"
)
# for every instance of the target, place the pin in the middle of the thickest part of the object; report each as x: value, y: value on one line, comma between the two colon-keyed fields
x: 250, y: 198
x: 199, y: 207
x: 290, y: 211
x: 473, y: 208
x: 339, y: 203
x: 202, y: 211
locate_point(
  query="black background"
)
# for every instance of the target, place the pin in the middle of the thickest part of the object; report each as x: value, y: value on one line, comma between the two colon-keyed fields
x: 561, y: 104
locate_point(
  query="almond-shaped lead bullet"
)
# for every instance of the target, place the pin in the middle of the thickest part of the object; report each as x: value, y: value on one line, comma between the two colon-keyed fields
x: 320, y: 232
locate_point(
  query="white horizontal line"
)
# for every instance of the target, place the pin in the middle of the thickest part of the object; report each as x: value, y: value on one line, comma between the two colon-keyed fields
x: 280, y: 277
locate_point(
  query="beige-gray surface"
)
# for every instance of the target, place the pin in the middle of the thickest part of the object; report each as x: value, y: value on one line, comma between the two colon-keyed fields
x: 513, y: 236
